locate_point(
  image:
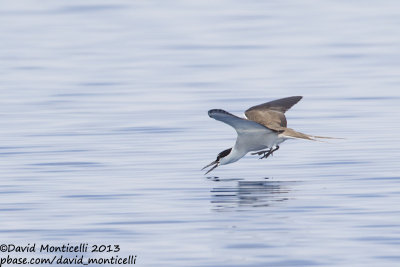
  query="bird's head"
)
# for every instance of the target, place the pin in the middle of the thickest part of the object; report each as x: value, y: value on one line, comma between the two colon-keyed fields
x: 217, y: 162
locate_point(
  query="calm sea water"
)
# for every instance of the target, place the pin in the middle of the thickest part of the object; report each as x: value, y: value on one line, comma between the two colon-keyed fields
x: 104, y: 130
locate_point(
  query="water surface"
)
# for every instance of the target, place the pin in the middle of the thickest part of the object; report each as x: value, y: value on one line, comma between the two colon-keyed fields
x: 104, y: 129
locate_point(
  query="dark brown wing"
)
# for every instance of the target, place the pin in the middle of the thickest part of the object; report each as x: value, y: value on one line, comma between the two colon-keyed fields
x: 282, y: 105
x: 271, y: 114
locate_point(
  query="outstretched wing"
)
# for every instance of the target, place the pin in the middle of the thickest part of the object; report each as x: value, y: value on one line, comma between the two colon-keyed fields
x: 271, y: 114
x: 239, y: 124
x: 281, y: 105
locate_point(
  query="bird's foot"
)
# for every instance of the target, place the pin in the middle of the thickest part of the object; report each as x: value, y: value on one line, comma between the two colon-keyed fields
x: 260, y: 152
x: 269, y: 153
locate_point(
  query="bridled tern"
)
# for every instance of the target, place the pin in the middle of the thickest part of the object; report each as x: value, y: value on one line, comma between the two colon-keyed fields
x: 263, y: 129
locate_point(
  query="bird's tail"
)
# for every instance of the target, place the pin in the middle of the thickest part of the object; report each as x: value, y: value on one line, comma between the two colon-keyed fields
x: 290, y: 133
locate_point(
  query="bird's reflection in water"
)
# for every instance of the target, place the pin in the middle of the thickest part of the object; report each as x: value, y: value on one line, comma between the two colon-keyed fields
x: 238, y: 193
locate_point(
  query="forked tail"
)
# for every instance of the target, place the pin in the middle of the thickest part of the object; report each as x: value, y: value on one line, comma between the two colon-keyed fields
x: 290, y: 133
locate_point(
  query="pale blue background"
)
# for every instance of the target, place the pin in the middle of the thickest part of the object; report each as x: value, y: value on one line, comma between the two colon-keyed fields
x: 104, y: 128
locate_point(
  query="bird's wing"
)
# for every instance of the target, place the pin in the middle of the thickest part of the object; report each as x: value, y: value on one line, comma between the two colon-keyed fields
x: 240, y: 125
x: 281, y: 105
x: 271, y: 114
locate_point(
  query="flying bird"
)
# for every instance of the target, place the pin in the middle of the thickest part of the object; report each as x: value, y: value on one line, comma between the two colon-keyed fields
x: 263, y: 129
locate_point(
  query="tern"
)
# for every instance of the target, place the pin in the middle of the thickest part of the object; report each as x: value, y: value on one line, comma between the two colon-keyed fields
x: 263, y: 130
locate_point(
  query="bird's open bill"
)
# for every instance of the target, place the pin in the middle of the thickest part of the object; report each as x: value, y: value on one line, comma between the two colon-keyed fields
x: 212, y: 163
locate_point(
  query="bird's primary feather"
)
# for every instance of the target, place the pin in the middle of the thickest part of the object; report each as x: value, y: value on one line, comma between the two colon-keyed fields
x: 281, y: 105
x: 271, y: 114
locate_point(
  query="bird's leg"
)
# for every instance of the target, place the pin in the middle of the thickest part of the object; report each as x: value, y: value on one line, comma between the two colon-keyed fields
x: 273, y: 150
x: 260, y: 152
x: 266, y: 155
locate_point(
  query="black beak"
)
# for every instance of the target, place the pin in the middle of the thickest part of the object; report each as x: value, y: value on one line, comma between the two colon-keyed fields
x: 216, y: 162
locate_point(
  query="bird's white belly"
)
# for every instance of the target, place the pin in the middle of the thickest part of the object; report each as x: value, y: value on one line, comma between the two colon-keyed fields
x: 256, y: 141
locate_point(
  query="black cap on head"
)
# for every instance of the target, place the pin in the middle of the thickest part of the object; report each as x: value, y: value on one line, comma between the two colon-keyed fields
x: 224, y: 153
x: 216, y: 162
